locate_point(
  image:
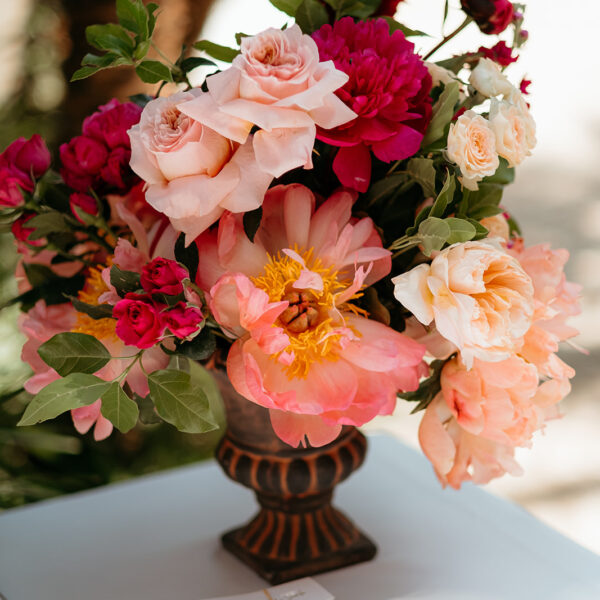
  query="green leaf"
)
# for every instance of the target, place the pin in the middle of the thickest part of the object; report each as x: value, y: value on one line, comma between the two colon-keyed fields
x: 423, y: 172
x: 124, y: 281
x: 180, y: 404
x: 141, y: 50
x: 133, y: 16
x: 385, y: 187
x: 153, y: 71
x: 83, y: 73
x: 428, y: 388
x: 193, y: 62
x: 101, y: 62
x: 96, y: 311
x: 454, y: 64
x: 461, y: 230
x: 481, y: 231
x: 433, y: 233
x: 74, y: 353
x: 151, y: 7
x: 443, y: 111
x: 311, y: 15
x: 444, y: 197
x: 289, y: 7
x: 110, y: 37
x: 217, y: 51
x: 252, y: 221
x: 73, y: 391
x: 187, y: 256
x: 503, y: 175
x: 360, y: 9
x: 46, y: 223
x: 446, y: 6
x: 201, y: 347
x: 37, y: 274
x: 407, y: 31
x: 485, y: 211
x: 119, y: 408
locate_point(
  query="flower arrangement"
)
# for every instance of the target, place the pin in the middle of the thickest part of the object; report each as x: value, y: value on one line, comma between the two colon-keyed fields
x: 322, y: 217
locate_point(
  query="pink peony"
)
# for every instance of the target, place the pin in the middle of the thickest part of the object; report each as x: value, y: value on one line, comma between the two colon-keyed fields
x: 163, y: 276
x: 303, y: 349
x: 87, y: 416
x: 193, y: 173
x: 139, y: 322
x: 182, y: 320
x: 499, y: 53
x: 388, y: 89
x: 492, y: 16
x: 278, y: 84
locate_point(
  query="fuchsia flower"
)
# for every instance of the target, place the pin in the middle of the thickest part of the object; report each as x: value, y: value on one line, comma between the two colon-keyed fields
x: 22, y: 232
x: 84, y: 202
x: 388, y: 89
x: 138, y: 321
x: 182, y: 320
x: 492, y: 16
x: 524, y: 85
x: 99, y: 158
x: 303, y: 348
x: 163, y: 276
x: 499, y: 53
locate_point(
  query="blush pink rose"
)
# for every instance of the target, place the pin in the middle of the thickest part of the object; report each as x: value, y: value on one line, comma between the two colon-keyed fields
x: 182, y: 320
x: 139, y: 322
x: 193, y: 173
x: 278, y: 84
x: 302, y: 350
x: 163, y: 276
x: 479, y: 296
x: 87, y: 416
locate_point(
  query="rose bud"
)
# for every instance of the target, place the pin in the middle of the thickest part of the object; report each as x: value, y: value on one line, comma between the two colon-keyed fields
x: 182, y: 320
x: 11, y: 183
x: 492, y: 16
x: 31, y: 157
x: 82, y: 159
x: 163, y: 276
x: 138, y: 321
x: 84, y: 202
x: 22, y: 233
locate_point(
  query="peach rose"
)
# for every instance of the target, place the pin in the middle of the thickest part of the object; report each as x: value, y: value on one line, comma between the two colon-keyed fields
x: 472, y: 146
x: 278, y: 84
x: 514, y: 129
x: 479, y: 296
x: 193, y: 173
x: 488, y: 79
x: 497, y: 227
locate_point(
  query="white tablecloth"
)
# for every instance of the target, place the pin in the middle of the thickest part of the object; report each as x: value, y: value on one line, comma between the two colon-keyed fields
x: 157, y: 538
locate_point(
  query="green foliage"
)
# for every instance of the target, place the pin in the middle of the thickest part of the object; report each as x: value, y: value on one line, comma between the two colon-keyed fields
x: 124, y: 281
x: 187, y: 256
x: 503, y: 175
x: 433, y: 233
x: 360, y: 9
x: 153, y: 71
x: 443, y: 111
x: 423, y: 172
x: 201, y: 347
x: 385, y: 187
x: 311, y: 15
x: 223, y: 53
x: 407, y: 31
x: 444, y: 198
x: 96, y: 311
x: 485, y: 202
x: 428, y: 389
x: 47, y: 223
x: 73, y: 391
x: 74, y: 353
x: 119, y: 408
x: 460, y: 230
x: 179, y: 403
x: 289, y: 7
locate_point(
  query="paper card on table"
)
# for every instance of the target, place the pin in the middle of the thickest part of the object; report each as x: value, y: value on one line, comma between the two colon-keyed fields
x: 301, y: 589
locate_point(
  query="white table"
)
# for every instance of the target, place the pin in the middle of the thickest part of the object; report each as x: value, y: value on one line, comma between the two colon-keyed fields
x: 157, y: 538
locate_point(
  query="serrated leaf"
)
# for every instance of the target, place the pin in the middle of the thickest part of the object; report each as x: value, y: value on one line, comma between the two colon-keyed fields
x: 119, y: 408
x: 178, y: 403
x: 423, y: 172
x: 187, y: 256
x: 133, y: 16
x: 70, y: 352
x: 251, y: 221
x: 73, y: 391
x: 124, y: 281
x: 217, y: 51
x: 201, y: 347
x: 311, y: 15
x: 95, y: 311
x: 193, y: 62
x: 289, y: 7
x: 433, y: 233
x: 153, y: 71
x: 460, y: 230
x: 407, y: 31
x: 444, y: 197
x: 443, y: 111
x: 110, y: 37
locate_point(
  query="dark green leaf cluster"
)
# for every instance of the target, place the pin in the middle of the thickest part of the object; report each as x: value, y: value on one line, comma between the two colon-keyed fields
x: 428, y: 389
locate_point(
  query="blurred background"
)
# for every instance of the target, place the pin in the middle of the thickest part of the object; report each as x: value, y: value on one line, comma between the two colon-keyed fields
x: 555, y: 199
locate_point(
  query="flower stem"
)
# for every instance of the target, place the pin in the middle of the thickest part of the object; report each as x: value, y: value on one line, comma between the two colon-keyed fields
x: 449, y: 37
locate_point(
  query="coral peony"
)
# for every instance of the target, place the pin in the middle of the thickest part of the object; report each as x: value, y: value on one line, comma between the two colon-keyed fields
x: 492, y: 16
x: 303, y: 349
x: 388, y: 89
x: 479, y: 296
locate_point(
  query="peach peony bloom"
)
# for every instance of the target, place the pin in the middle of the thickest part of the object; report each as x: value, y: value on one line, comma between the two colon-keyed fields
x: 472, y: 146
x: 479, y: 296
x: 193, y: 173
x: 278, y: 84
x: 303, y: 349
x: 488, y: 79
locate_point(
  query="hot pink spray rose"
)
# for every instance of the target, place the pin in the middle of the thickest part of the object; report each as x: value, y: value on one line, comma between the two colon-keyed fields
x: 139, y: 322
x: 388, y: 88
x: 303, y: 349
x: 278, y: 84
x: 193, y: 173
x: 163, y: 276
x: 182, y: 320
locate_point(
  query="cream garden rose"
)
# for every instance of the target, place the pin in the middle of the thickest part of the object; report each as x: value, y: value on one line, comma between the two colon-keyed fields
x: 472, y: 146
x: 488, y: 79
x: 479, y: 296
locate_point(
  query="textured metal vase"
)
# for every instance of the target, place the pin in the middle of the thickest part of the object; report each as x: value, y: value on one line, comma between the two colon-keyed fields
x: 297, y: 532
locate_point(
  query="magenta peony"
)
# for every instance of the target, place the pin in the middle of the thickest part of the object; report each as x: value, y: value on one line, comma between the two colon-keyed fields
x: 388, y: 89
x: 492, y: 16
x: 500, y: 53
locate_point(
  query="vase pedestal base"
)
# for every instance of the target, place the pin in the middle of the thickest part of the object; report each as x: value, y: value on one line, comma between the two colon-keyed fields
x: 281, y: 546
